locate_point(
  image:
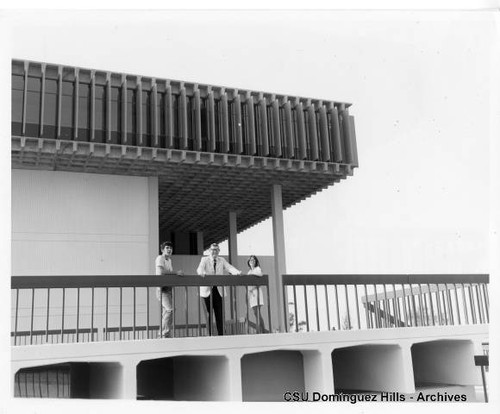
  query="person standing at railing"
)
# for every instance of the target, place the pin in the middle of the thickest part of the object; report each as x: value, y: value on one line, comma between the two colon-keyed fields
x: 163, y: 266
x: 214, y: 265
x: 256, y: 294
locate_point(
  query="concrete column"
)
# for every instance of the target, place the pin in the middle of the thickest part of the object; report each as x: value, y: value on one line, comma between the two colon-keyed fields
x: 275, y: 285
x: 233, y: 243
x: 199, y: 243
x: 154, y: 222
x: 235, y: 382
x: 233, y: 257
x: 318, y: 371
x: 408, y: 383
x: 129, y: 380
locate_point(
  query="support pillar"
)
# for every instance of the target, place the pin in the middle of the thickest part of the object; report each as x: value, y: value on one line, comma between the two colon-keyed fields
x: 129, y: 380
x: 318, y: 371
x: 154, y: 222
x: 276, y: 284
x: 233, y: 257
x: 199, y: 243
x: 235, y: 381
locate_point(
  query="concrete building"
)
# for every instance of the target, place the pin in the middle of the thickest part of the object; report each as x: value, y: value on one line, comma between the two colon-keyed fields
x: 105, y: 166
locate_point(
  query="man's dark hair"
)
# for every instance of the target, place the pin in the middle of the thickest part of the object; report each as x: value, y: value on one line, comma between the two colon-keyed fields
x: 165, y: 244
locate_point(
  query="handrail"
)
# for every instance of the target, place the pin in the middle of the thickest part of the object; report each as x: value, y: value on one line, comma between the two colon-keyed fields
x: 134, y: 305
x: 367, y: 301
x: 36, y: 282
x: 353, y: 279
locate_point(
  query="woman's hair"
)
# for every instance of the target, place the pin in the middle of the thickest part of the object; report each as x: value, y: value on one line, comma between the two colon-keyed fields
x: 256, y: 260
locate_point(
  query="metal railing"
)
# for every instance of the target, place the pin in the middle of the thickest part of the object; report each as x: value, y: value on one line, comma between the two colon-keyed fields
x: 61, y: 309
x: 344, y: 302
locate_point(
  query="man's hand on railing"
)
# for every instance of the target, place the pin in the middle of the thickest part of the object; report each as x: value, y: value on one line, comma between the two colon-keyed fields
x: 180, y: 273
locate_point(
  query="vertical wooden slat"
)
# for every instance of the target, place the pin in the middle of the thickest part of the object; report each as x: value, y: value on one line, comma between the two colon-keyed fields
x: 154, y: 114
x: 344, y: 112
x: 16, y: 318
x: 197, y: 114
x: 327, y: 308
x: 199, y: 311
x: 76, y: 103
x: 357, y: 305
x: 92, y: 317
x: 251, y: 124
x: 325, y: 142
x: 92, y: 106
x: 263, y: 126
x: 405, y: 311
x: 173, y: 312
x: 124, y: 104
x: 285, y: 308
x: 138, y: 110
x: 77, y: 313
x: 313, y: 132
x: 486, y: 302
x: 278, y: 151
x: 48, y: 317
x: 187, y: 308
x: 211, y: 122
x: 183, y: 117
x: 397, y: 313
x: 306, y: 307
x: 169, y: 116
x: 354, y: 146
x: 25, y: 96
x: 42, y: 99
x: 107, y: 313
x: 248, y: 310
x: 62, y: 315
x: 147, y: 312
x: 108, y: 107
x: 337, y: 306
x: 464, y: 302
x: 347, y: 308
x: 289, y: 130
x: 367, y: 311
x: 335, y: 134
x: 239, y: 131
x: 32, y: 314
x: 295, y: 308
x: 431, y: 304
x: 121, y: 313
x: 378, y: 323
x: 317, y: 307
x: 301, y: 130
x: 134, y: 310
x: 225, y: 123
x: 269, y: 309
x: 59, y: 100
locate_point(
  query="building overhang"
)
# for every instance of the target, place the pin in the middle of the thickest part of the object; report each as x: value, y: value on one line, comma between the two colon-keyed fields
x: 196, y: 189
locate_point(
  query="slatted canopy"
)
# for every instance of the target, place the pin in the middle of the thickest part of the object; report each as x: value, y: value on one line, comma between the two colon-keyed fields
x: 214, y: 149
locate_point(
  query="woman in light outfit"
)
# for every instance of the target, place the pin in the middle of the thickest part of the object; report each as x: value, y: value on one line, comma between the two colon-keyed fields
x: 256, y: 294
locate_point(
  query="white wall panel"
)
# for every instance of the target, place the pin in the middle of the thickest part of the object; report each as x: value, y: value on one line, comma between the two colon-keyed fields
x: 76, y: 223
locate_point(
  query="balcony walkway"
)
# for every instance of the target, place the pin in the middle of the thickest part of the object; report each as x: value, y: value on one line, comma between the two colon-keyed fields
x: 263, y: 367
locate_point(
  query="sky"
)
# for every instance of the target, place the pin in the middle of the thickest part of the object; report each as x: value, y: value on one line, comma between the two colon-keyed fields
x: 420, y: 84
x: 424, y: 92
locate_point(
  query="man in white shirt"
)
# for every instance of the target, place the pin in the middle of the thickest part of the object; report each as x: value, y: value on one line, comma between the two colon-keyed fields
x: 163, y: 266
x: 214, y: 265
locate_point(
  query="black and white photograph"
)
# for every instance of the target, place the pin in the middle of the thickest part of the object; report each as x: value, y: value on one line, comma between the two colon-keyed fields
x: 244, y: 205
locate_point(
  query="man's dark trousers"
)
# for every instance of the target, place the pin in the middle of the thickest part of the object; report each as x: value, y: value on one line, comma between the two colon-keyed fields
x: 217, y: 306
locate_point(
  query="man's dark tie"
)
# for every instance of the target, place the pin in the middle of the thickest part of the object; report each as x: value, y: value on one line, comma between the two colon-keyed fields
x: 215, y: 266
